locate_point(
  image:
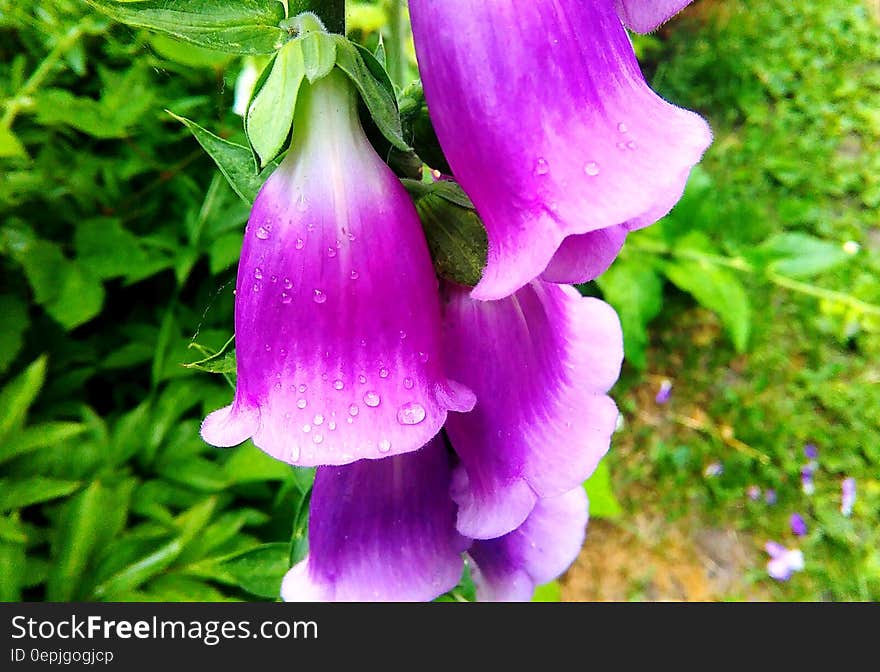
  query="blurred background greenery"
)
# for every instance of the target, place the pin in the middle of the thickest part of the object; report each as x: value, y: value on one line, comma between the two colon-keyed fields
x: 757, y: 299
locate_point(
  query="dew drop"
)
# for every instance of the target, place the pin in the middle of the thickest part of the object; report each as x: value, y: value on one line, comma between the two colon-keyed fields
x: 383, y: 372
x: 355, y: 275
x: 402, y: 335
x: 331, y: 426
x: 301, y: 403
x: 262, y: 233
x: 318, y: 419
x: 542, y: 167
x: 331, y: 252
x: 278, y: 386
x: 318, y: 438
x: 258, y: 274
x: 592, y: 169
x: 338, y: 384
x: 286, y: 298
x: 300, y: 243
x: 408, y: 383
x: 274, y: 278
x: 301, y: 204
x: 362, y: 379
x: 353, y: 410
x: 384, y: 446
x: 349, y: 420
x: 631, y: 144
x: 621, y: 127
x: 282, y: 352
x: 307, y: 429
x: 319, y: 296
x: 257, y: 286
x: 288, y: 284
x: 423, y: 357
x: 372, y: 399
x: 411, y: 413
x: 302, y: 388
x: 268, y: 348
x: 293, y: 453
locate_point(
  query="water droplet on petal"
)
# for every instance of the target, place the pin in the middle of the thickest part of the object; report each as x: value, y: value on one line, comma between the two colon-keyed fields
x: 300, y: 243
x: 384, y: 446
x: 286, y: 298
x: 338, y: 384
x: 262, y: 233
x: 302, y: 388
x: 402, y: 335
x: 542, y: 167
x: 274, y: 278
x: 301, y: 403
x: 353, y: 410
x: 318, y: 419
x: 383, y: 372
x: 372, y: 399
x: 318, y: 438
x: 423, y: 357
x: 331, y: 252
x: 592, y: 169
x: 355, y: 275
x: 631, y: 144
x: 319, y: 296
x: 257, y: 286
x: 268, y: 348
x: 622, y: 127
x: 307, y: 428
x: 408, y: 383
x: 293, y: 453
x: 411, y: 413
x: 362, y: 379
x: 287, y: 283
x: 258, y: 274
x: 301, y: 204
x: 331, y: 425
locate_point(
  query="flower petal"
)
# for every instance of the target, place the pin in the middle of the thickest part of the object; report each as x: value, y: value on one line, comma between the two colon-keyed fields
x: 541, y: 362
x: 558, y: 135
x: 337, y: 318
x: 381, y: 531
x: 643, y: 16
x: 510, y: 567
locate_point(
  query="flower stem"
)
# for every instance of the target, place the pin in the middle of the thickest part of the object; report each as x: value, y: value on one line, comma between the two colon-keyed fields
x: 397, y: 43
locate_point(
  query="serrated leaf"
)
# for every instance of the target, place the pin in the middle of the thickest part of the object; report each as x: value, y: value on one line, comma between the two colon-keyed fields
x: 374, y: 87
x: 17, y: 493
x: 718, y: 290
x: 235, y: 161
x: 635, y: 291
x: 319, y: 54
x: 270, y: 113
x: 233, y: 26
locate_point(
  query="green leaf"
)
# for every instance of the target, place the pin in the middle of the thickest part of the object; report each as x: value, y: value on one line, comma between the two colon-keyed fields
x: 22, y: 492
x: 319, y: 54
x: 189, y: 54
x: 39, y: 436
x: 375, y: 88
x: 234, y: 26
x: 235, y: 161
x: 718, y: 290
x: 12, y: 570
x: 14, y: 324
x: 603, y: 503
x: 549, y: 592
x: 802, y: 255
x: 17, y: 396
x: 10, y: 146
x: 636, y: 292
x: 270, y: 113
x: 248, y: 463
x: 108, y: 249
x: 260, y: 570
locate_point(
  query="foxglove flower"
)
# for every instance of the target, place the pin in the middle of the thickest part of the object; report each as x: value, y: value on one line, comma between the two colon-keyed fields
x: 550, y: 128
x: 337, y: 316
x: 509, y: 568
x: 381, y: 531
x: 541, y: 362
x: 643, y: 16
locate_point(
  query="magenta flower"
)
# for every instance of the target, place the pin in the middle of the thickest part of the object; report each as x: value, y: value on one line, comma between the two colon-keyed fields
x: 643, y: 16
x: 848, y: 496
x: 550, y: 128
x: 783, y: 561
x: 541, y: 362
x: 381, y: 531
x: 509, y: 568
x: 337, y: 316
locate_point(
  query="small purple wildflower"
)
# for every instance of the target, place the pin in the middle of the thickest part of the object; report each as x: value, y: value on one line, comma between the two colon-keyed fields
x: 783, y: 561
x: 713, y: 469
x: 807, y: 484
x: 811, y: 452
x: 770, y: 496
x: 798, y: 525
x: 753, y: 492
x: 665, y: 391
x: 848, y: 496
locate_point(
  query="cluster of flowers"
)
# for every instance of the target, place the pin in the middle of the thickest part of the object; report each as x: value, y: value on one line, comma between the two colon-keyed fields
x: 352, y: 357
x: 784, y: 562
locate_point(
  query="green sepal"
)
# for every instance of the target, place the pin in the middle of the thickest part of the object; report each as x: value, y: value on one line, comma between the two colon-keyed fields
x: 418, y: 130
x: 232, y: 26
x: 455, y: 233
